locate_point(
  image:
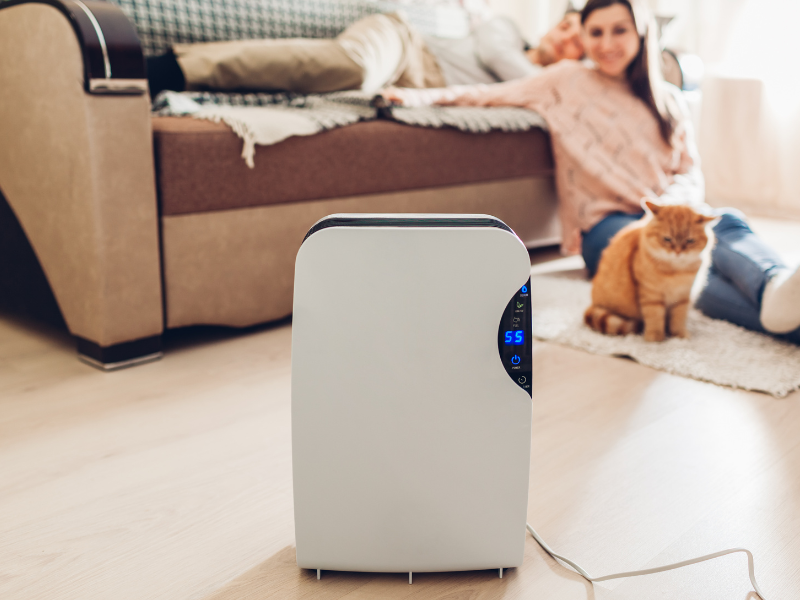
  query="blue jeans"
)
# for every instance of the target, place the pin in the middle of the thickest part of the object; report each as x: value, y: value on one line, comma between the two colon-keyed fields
x: 741, y: 265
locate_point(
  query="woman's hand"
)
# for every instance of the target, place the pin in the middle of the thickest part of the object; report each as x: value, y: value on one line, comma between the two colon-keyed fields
x: 448, y: 101
x: 451, y: 96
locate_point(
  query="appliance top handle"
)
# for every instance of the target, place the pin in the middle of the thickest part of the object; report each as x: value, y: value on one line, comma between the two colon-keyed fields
x: 407, y: 220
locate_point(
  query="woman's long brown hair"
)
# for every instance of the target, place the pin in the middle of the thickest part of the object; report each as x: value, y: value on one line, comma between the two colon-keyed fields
x: 644, y: 73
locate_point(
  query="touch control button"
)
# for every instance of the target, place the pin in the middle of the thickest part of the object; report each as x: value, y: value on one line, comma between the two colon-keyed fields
x: 515, y: 360
x: 522, y: 379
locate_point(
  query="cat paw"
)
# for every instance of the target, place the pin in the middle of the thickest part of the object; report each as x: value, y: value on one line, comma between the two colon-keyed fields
x: 653, y: 336
x: 680, y: 334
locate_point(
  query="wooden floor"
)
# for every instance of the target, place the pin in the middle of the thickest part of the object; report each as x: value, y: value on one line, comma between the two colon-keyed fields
x: 173, y: 480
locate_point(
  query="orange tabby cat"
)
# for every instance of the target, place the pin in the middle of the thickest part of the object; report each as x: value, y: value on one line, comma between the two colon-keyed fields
x: 646, y: 273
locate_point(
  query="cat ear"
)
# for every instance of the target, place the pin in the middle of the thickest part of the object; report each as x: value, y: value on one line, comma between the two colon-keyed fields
x: 705, y: 219
x: 651, y: 206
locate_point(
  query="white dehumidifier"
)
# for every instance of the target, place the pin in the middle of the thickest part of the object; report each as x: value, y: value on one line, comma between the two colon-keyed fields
x: 411, y: 405
x: 411, y: 397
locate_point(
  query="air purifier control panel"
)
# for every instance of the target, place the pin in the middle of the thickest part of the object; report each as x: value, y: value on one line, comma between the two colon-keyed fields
x: 514, y: 338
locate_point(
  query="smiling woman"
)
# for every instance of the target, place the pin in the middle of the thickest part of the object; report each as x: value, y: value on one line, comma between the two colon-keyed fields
x: 620, y: 38
x: 611, y: 40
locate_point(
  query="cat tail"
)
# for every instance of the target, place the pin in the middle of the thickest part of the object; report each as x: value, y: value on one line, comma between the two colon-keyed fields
x: 603, y: 320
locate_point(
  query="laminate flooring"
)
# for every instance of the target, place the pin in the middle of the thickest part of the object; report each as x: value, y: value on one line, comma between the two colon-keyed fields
x: 172, y: 480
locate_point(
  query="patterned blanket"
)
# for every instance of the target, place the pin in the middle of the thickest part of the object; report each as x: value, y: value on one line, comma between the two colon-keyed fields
x: 161, y: 23
x: 264, y: 119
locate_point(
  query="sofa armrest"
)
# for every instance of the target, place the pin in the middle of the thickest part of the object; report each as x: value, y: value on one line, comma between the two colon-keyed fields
x: 113, y: 62
x: 76, y: 166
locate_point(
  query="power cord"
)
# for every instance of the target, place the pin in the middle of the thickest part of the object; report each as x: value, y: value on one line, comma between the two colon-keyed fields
x: 677, y: 565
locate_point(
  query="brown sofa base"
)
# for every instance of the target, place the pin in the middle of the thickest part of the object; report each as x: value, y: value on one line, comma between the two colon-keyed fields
x: 200, y: 168
x: 119, y: 356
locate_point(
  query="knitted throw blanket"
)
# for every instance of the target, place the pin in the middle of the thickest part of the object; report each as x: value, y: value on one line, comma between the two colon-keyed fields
x: 468, y: 118
x: 264, y: 119
x: 267, y: 119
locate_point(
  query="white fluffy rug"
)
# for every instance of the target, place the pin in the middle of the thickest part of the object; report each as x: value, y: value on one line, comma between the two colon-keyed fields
x: 717, y: 351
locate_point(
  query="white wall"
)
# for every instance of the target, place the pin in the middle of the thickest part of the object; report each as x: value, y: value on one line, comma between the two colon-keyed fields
x: 700, y: 27
x: 534, y: 17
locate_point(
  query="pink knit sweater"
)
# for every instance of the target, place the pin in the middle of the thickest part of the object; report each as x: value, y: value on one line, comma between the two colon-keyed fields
x: 608, y: 151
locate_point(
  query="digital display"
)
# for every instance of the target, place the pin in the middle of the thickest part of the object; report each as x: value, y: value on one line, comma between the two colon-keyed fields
x: 515, y: 338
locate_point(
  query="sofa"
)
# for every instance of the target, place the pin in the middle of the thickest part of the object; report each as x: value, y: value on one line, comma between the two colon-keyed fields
x: 137, y: 224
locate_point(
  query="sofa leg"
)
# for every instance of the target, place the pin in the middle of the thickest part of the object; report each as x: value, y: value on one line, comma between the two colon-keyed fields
x: 119, y: 356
